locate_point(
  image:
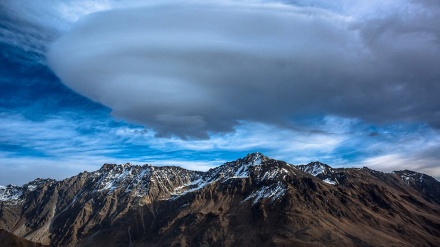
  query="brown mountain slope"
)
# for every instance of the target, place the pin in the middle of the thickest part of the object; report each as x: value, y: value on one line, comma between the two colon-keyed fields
x: 254, y: 201
x: 59, y: 213
x: 10, y: 240
x: 310, y: 213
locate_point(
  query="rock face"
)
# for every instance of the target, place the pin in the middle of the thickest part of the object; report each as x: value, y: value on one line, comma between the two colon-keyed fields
x: 10, y: 240
x: 254, y: 201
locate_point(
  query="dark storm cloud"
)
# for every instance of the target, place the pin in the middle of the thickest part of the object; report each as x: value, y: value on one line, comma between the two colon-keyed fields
x: 194, y: 69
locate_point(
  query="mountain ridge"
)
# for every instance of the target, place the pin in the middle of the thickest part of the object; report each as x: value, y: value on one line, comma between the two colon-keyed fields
x: 83, y: 209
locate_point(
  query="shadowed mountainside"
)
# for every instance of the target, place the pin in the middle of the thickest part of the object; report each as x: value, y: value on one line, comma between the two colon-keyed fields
x: 10, y: 240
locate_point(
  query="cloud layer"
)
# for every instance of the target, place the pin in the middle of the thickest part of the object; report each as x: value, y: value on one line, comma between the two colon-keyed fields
x: 194, y: 69
x: 62, y: 146
x: 349, y: 83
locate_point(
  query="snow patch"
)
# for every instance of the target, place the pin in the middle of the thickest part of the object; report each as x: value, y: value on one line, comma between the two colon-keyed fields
x: 329, y: 181
x: 10, y: 193
x: 124, y: 176
x: 408, y: 177
x: 31, y: 187
x: 195, y: 185
x: 315, y: 170
x: 274, y: 192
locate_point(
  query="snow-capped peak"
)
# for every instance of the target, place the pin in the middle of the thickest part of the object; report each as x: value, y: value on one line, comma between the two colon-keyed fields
x: 236, y: 169
x: 321, y: 171
x: 10, y: 192
x: 139, y: 180
x: 410, y: 176
x: 255, y: 158
x: 14, y: 193
x: 315, y: 168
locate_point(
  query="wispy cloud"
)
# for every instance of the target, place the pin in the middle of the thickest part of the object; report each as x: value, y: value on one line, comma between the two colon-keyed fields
x: 413, y: 150
x: 61, y: 146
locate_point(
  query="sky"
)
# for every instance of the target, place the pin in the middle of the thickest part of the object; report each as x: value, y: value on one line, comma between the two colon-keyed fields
x: 200, y: 83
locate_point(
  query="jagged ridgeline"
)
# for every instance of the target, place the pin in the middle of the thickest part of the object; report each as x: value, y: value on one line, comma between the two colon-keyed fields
x: 253, y: 201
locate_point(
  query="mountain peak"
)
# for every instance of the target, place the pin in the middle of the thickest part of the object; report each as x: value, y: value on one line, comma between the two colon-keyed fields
x: 255, y: 166
x: 10, y: 192
x: 254, y: 158
x: 315, y: 168
x: 108, y: 166
x: 239, y: 198
x: 320, y: 170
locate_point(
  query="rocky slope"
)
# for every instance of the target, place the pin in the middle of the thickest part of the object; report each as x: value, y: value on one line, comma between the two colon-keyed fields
x: 252, y: 201
x: 10, y: 240
x: 62, y: 212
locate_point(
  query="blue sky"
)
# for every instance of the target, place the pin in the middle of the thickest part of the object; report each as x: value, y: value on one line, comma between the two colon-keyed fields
x: 196, y: 84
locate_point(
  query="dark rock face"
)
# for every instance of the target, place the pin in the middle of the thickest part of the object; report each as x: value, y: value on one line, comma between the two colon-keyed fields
x: 254, y: 201
x: 10, y: 240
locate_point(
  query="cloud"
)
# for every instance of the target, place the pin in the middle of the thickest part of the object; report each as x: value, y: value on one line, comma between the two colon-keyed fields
x: 21, y: 170
x: 190, y: 70
x: 347, y: 83
x: 400, y: 161
x: 30, y: 26
x: 64, y: 145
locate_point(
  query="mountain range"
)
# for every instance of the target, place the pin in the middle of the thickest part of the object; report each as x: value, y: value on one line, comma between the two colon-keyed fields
x: 253, y: 201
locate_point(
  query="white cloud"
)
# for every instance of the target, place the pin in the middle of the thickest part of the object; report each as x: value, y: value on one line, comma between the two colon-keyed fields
x: 302, y: 80
x: 192, y: 70
x: 415, y: 150
x: 404, y: 161
x: 61, y: 147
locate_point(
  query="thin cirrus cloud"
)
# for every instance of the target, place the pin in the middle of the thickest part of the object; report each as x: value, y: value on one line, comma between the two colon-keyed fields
x: 62, y: 147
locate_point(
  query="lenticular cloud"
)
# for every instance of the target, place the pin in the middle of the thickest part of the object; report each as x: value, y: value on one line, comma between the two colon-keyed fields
x: 189, y: 70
